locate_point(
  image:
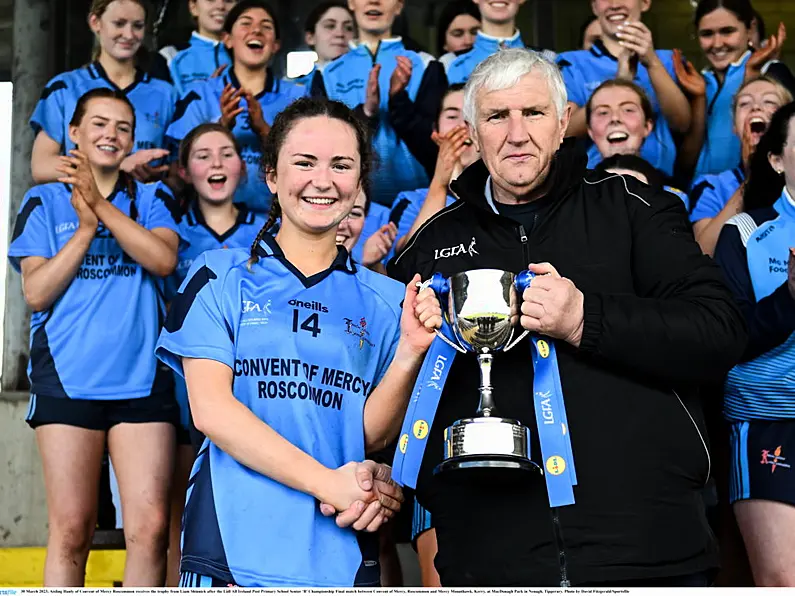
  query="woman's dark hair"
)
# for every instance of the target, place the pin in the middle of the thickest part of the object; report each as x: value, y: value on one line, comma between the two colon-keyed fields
x: 764, y: 185
x: 189, y: 195
x: 318, y: 11
x: 77, y: 117
x: 633, y: 163
x: 285, y: 121
x: 584, y: 28
x: 645, y: 102
x: 244, y: 5
x: 450, y: 11
x: 742, y: 9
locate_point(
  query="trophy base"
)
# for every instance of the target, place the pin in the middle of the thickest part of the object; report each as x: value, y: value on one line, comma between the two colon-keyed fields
x: 485, y: 445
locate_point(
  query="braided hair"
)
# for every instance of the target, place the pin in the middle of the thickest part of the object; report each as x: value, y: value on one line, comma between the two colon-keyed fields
x: 301, y: 109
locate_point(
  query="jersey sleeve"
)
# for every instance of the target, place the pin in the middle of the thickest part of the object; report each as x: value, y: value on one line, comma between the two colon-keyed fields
x: 164, y: 210
x: 575, y: 86
x: 667, y: 59
x: 705, y: 200
x: 189, y: 112
x: 196, y: 326
x: 48, y: 115
x: 30, y: 237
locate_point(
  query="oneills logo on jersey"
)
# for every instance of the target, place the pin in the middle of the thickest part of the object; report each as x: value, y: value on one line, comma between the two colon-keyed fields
x: 360, y: 331
x: 313, y: 305
x: 454, y: 251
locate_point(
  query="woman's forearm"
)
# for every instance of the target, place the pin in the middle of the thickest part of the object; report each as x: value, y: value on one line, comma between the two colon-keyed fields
x: 386, y: 406
x: 149, y: 250
x: 673, y: 103
x: 693, y: 140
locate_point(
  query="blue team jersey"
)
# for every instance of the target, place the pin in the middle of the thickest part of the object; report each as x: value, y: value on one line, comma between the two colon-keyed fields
x: 153, y: 100
x: 753, y: 251
x: 584, y: 70
x: 197, y: 62
x: 96, y: 340
x: 376, y: 217
x: 306, y: 353
x: 405, y: 210
x: 721, y: 148
x: 196, y: 238
x: 709, y: 194
x: 345, y: 80
x: 459, y: 66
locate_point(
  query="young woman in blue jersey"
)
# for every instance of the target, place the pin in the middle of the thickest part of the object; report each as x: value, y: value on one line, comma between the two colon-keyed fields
x: 756, y: 253
x: 626, y: 50
x: 245, y: 98
x: 205, y: 54
x: 119, y: 27
x: 724, y: 29
x: 714, y: 198
x: 287, y: 437
x: 376, y: 72
x: 328, y: 30
x: 90, y: 248
x: 211, y: 165
x: 373, y: 248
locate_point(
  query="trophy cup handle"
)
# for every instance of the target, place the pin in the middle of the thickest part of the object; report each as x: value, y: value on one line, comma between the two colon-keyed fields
x: 521, y: 283
x: 441, y: 287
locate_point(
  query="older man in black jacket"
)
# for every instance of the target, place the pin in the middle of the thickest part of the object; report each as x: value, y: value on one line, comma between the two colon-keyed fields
x: 641, y: 318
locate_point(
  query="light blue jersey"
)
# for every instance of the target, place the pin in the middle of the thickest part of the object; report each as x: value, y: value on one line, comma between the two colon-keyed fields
x: 154, y: 101
x: 197, y: 62
x: 202, y: 103
x: 345, y: 80
x: 96, y: 340
x: 197, y: 238
x: 405, y: 210
x: 460, y: 66
x: 305, y: 353
x: 584, y: 70
x: 753, y: 251
x: 710, y: 193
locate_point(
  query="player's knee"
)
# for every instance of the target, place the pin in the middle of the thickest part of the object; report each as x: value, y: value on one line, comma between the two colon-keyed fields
x: 149, y: 532
x: 71, y: 534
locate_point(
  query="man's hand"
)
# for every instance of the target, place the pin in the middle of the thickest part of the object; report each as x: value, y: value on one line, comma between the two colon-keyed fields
x: 372, y: 100
x: 689, y: 78
x: 553, y: 306
x: 400, y: 76
x: 637, y: 38
x: 772, y: 51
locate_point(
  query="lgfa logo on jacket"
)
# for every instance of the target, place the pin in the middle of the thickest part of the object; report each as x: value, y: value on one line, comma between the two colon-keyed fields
x: 454, y: 251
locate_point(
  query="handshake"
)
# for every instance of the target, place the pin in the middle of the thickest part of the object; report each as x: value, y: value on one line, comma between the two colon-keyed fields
x: 362, y: 495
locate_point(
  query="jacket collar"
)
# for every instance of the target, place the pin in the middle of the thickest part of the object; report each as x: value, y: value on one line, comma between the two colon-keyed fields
x: 568, y: 167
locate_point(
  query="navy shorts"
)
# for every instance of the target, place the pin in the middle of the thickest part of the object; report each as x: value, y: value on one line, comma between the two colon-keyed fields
x: 101, y: 414
x: 761, y: 465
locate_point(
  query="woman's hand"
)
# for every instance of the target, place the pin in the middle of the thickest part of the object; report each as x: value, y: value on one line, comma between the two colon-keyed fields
x: 636, y: 37
x: 400, y: 76
x: 451, y: 147
x: 77, y: 172
x: 230, y: 106
x: 689, y: 78
x: 791, y: 273
x: 255, y: 116
x: 372, y: 101
x: 379, y: 244
x: 137, y: 164
x: 421, y: 317
x: 772, y: 51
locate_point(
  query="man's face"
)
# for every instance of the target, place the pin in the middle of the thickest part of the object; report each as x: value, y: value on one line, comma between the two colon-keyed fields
x: 375, y: 16
x: 612, y: 13
x: 518, y: 131
x: 499, y: 12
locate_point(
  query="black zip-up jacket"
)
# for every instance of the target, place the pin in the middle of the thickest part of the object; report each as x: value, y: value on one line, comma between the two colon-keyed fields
x: 658, y: 321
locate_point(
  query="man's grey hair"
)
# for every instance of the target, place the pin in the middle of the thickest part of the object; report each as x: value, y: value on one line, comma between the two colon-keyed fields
x: 503, y: 69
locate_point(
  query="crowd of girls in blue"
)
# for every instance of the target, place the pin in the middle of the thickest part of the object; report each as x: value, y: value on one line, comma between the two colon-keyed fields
x: 233, y: 215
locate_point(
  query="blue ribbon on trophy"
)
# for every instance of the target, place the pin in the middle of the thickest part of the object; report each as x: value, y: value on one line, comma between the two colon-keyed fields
x: 480, y: 313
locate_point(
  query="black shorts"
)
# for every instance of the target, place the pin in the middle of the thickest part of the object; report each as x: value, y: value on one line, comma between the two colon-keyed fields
x: 761, y: 464
x: 101, y: 414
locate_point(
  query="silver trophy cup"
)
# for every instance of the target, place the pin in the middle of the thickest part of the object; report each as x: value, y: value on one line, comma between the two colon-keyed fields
x: 482, y: 309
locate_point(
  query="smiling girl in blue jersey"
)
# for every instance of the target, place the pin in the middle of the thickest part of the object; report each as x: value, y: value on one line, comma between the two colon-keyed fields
x: 245, y: 98
x: 119, y: 27
x: 90, y: 248
x: 298, y: 362
x: 205, y: 53
x: 755, y: 251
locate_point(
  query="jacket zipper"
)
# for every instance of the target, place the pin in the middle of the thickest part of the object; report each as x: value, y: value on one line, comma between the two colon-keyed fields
x: 564, y: 571
x: 698, y: 432
x: 556, y: 528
